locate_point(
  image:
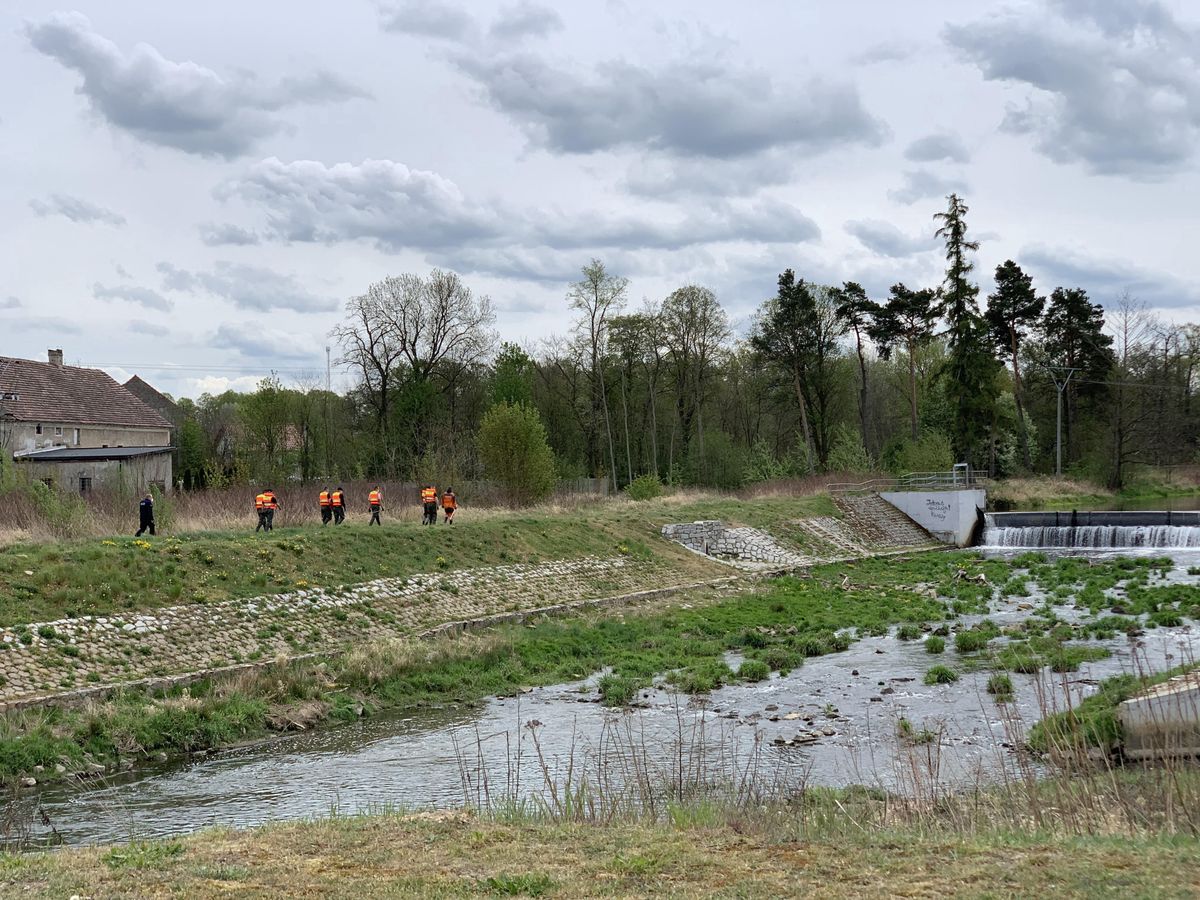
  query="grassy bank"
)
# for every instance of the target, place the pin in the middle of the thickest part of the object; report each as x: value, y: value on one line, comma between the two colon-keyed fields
x: 45, y: 581
x: 1062, y: 493
x: 819, y: 848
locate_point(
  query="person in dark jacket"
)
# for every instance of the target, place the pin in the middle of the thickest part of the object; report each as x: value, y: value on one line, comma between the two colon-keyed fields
x: 145, y: 515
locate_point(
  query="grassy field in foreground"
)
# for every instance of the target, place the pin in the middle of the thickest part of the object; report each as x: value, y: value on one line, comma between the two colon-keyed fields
x: 457, y: 855
x: 53, y: 580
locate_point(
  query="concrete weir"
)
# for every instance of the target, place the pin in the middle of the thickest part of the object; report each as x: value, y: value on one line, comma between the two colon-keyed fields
x: 950, y: 516
x: 1164, y: 720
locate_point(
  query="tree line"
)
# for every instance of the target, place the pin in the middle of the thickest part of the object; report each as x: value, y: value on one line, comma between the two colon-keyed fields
x: 826, y: 379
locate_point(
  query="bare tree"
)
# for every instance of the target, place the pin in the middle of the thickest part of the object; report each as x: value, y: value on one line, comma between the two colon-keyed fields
x: 694, y: 329
x: 597, y: 298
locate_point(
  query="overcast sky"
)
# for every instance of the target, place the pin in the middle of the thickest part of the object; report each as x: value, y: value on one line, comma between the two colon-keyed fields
x: 204, y: 185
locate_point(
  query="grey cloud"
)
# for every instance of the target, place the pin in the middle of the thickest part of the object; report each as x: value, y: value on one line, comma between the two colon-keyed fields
x: 148, y: 328
x: 379, y: 200
x: 662, y: 177
x: 937, y: 147
x: 49, y: 324
x: 10, y: 302
x: 247, y: 339
x: 247, y: 287
x: 214, y: 235
x: 921, y: 184
x: 122, y: 271
x: 1113, y: 86
x: 525, y: 19
x: 427, y: 18
x: 133, y: 294
x: 181, y: 105
x: 76, y: 209
x: 884, y: 53
x: 1106, y: 279
x: 886, y: 239
x: 685, y: 108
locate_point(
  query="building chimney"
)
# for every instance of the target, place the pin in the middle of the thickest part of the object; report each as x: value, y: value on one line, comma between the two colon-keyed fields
x: 55, y: 357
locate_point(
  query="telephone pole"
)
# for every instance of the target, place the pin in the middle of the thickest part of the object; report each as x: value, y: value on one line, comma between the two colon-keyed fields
x: 328, y: 425
x: 1060, y: 382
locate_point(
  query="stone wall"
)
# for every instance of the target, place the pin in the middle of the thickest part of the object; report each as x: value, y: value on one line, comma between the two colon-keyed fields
x: 744, y: 547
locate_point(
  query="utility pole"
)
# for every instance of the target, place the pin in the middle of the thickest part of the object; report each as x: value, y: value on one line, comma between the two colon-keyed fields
x: 1060, y: 382
x: 328, y: 425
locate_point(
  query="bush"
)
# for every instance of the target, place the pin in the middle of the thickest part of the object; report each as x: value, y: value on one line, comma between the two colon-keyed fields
x: 762, y: 464
x: 908, y: 632
x: 847, y: 453
x: 753, y: 670
x: 617, y: 690
x: 1000, y: 686
x: 970, y: 641
x: 935, y: 644
x: 644, y: 487
x: 514, y: 452
x: 941, y: 675
x: 930, y: 452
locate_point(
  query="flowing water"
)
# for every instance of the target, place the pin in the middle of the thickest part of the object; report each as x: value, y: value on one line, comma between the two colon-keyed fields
x: 1088, y: 531
x: 852, y: 701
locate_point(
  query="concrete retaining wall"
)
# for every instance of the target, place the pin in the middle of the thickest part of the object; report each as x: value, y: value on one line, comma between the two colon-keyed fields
x: 1164, y: 721
x: 950, y: 516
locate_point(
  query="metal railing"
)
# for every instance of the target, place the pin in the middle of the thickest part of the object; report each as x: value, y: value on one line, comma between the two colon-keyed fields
x: 958, y: 478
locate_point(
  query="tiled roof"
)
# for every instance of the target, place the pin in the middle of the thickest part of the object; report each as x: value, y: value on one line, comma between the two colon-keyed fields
x: 77, y: 454
x: 152, y: 397
x: 69, y: 394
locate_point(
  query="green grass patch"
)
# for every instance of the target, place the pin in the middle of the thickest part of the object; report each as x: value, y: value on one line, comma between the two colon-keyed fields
x: 941, y: 675
x: 935, y: 644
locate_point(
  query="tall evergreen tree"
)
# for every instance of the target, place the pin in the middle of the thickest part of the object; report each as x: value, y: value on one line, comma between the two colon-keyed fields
x: 971, y: 368
x: 907, y: 318
x: 857, y: 311
x: 1012, y: 310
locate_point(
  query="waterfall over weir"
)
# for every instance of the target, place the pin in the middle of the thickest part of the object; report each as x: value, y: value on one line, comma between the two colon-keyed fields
x: 1095, y: 530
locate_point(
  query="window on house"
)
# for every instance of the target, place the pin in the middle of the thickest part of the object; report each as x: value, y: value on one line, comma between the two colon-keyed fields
x: 85, y: 484
x: 37, y: 429
x: 58, y: 431
x: 77, y: 436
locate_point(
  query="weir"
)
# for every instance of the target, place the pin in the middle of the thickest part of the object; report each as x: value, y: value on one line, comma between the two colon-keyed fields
x: 1098, y: 530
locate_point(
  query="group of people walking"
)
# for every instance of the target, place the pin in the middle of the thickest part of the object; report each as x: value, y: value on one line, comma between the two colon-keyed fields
x: 332, y: 504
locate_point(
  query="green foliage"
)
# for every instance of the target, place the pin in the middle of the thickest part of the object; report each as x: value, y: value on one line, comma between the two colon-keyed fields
x: 1000, y: 686
x: 763, y: 465
x: 514, y: 452
x: 909, y: 632
x: 930, y: 452
x: 644, y: 487
x: 935, y: 644
x: 848, y: 453
x: 529, y: 884
x: 941, y: 675
x: 753, y: 670
x: 617, y: 690
x: 512, y: 376
x: 142, y: 855
x: 971, y: 641
x: 715, y: 462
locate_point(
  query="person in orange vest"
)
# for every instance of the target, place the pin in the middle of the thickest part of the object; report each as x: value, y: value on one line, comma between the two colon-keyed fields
x: 337, y: 501
x: 325, y: 498
x: 272, y: 504
x: 429, y: 496
x: 260, y: 507
x: 449, y: 505
x: 375, y: 501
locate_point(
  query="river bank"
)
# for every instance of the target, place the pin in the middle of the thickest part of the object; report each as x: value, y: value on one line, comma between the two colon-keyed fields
x: 830, y: 844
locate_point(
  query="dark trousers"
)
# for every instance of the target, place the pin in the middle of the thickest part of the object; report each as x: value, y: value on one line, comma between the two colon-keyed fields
x: 430, y: 514
x: 146, y: 525
x: 375, y: 515
x: 262, y: 521
x: 449, y: 510
x: 339, y: 515
x: 270, y: 520
x: 326, y: 515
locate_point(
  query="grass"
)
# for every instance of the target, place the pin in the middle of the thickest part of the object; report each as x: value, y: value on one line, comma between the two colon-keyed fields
x: 941, y: 675
x: 47, y: 581
x: 811, y: 850
x: 935, y: 644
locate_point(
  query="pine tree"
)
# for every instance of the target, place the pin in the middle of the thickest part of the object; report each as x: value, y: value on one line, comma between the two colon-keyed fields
x: 1012, y: 310
x: 907, y: 318
x: 856, y: 311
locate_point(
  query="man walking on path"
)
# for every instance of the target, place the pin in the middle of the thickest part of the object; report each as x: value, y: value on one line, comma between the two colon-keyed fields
x: 145, y: 515
x: 271, y: 505
x: 338, y: 502
x: 375, y: 501
x: 326, y: 501
x: 449, y: 505
x: 260, y: 507
x: 429, y: 496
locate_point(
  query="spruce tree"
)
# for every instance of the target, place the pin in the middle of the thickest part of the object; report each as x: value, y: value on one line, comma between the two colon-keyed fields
x: 1012, y: 310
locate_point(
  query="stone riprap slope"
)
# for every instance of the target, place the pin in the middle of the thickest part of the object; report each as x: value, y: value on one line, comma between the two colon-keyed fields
x: 880, y: 524
x: 745, y: 548
x: 53, y: 658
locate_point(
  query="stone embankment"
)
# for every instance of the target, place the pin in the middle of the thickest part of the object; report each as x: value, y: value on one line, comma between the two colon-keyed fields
x: 869, y: 525
x: 46, y: 659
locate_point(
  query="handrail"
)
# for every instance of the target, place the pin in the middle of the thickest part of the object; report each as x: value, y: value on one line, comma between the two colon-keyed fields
x: 913, y: 481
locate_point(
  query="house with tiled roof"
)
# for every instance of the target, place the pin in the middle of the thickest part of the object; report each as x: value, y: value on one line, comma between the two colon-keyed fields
x: 78, y: 429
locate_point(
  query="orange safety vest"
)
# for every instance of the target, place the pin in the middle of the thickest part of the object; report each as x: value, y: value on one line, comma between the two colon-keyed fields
x: 260, y: 502
x: 338, y: 499
x: 449, y: 501
x: 375, y: 498
x: 325, y: 499
x: 271, y: 502
x: 429, y: 495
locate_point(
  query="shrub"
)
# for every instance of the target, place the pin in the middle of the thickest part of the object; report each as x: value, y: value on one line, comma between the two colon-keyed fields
x: 514, y: 452
x: 941, y: 675
x: 934, y: 644
x: 908, y: 632
x: 753, y: 670
x: 847, y: 453
x: 644, y: 487
x: 1001, y: 687
x: 617, y: 690
x: 970, y: 641
x: 931, y: 452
